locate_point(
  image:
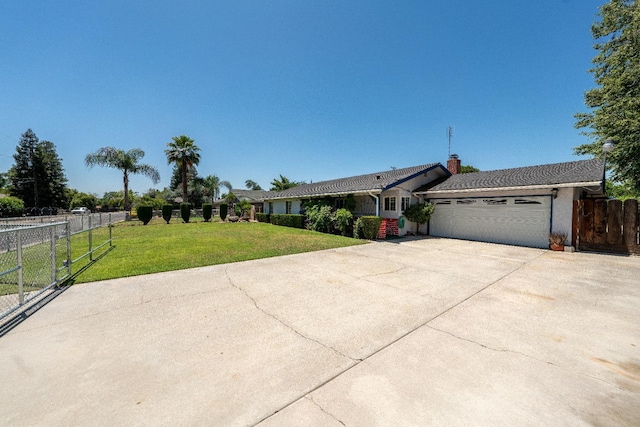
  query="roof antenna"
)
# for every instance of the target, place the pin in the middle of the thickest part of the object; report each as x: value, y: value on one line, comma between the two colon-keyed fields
x: 450, y: 135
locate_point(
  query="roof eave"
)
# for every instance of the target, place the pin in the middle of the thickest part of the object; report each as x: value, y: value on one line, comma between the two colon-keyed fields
x: 332, y: 194
x: 522, y: 187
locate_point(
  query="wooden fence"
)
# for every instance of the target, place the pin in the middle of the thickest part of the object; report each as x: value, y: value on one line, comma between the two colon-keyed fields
x: 606, y: 225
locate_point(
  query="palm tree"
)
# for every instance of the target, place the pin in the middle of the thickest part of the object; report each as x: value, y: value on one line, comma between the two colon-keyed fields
x: 227, y: 185
x: 283, y: 183
x: 184, y: 153
x: 126, y: 161
x: 212, y: 183
x: 252, y: 185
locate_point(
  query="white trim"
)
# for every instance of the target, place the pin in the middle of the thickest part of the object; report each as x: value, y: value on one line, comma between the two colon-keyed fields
x: 311, y: 196
x: 524, y: 187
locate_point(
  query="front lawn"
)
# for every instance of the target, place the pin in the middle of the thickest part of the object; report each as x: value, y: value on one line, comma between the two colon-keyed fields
x: 157, y: 247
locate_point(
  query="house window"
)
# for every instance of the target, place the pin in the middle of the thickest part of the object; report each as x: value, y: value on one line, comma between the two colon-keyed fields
x: 389, y: 203
x: 270, y: 207
x: 339, y: 203
x: 405, y: 202
x: 287, y: 207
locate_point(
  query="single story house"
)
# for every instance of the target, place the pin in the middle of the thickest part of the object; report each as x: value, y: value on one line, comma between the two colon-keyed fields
x: 518, y: 206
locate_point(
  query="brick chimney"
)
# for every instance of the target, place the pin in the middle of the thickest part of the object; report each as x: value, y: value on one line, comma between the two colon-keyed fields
x: 453, y: 164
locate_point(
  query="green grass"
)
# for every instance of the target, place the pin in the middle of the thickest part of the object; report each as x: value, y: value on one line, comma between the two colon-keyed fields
x: 158, y: 246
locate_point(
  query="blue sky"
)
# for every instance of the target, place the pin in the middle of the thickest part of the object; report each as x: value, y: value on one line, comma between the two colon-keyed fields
x: 312, y: 90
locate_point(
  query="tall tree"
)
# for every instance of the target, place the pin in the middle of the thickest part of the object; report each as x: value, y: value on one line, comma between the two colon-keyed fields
x: 252, y: 185
x: 283, y: 183
x: 37, y: 177
x: 615, y: 103
x: 184, y: 153
x: 212, y: 184
x: 125, y: 161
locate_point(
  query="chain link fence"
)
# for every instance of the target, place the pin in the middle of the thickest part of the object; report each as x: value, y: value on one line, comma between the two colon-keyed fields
x: 35, y: 257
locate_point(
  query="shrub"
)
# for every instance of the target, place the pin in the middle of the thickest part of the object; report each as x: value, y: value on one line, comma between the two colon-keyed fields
x: 343, y: 220
x: 367, y: 227
x: 262, y: 217
x: 145, y: 213
x: 207, y: 208
x: 10, y: 207
x: 224, y: 209
x: 167, y: 212
x: 320, y: 218
x: 288, y: 220
x: 419, y: 213
x: 185, y: 211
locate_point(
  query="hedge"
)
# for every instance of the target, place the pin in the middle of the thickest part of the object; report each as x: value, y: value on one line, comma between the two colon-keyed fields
x: 262, y: 217
x: 167, y: 212
x: 145, y: 213
x: 206, y: 211
x: 367, y: 227
x: 288, y: 220
x: 224, y: 209
x: 185, y: 211
x: 11, y: 207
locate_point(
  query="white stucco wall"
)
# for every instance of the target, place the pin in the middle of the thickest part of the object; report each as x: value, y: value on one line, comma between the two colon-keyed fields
x: 280, y: 206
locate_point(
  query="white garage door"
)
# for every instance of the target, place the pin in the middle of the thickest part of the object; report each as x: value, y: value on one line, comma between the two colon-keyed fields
x: 523, y: 221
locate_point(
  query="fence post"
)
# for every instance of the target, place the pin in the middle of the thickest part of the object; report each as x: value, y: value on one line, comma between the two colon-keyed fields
x: 90, y: 241
x: 52, y: 235
x: 20, y: 275
x: 68, y: 236
x: 110, y: 235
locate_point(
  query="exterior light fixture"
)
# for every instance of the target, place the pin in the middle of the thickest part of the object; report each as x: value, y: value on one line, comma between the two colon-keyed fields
x: 608, y: 145
x: 554, y: 192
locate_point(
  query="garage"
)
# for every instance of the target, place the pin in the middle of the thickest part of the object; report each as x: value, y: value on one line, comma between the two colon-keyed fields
x: 522, y: 221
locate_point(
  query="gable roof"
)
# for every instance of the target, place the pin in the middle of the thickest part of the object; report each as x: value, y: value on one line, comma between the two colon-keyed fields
x: 361, y: 184
x: 569, y: 174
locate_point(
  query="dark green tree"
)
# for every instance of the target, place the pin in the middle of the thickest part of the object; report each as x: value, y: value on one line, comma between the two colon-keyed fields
x: 283, y: 183
x: 419, y: 213
x: 615, y: 102
x: 125, y: 161
x: 37, y: 176
x: 183, y: 152
x: 252, y: 185
x: 468, y: 169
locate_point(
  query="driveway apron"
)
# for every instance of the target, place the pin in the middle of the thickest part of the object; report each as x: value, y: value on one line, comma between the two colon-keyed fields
x: 416, y: 332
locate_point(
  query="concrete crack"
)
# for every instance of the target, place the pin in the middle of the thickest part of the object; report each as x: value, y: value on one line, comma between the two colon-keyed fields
x: 505, y: 350
x: 254, y: 302
x: 323, y: 410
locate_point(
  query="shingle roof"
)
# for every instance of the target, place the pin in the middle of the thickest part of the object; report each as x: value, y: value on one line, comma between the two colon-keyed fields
x: 373, y: 182
x: 252, y: 195
x: 581, y: 171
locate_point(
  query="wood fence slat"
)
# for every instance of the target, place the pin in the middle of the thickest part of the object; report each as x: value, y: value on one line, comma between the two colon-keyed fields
x: 575, y: 222
x: 631, y: 223
x: 600, y: 221
x: 586, y: 222
x: 614, y: 222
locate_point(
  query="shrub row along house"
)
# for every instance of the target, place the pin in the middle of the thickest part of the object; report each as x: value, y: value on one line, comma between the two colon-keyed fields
x: 519, y: 206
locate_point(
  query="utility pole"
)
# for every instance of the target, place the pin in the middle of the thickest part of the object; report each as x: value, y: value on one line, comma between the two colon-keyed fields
x: 450, y: 135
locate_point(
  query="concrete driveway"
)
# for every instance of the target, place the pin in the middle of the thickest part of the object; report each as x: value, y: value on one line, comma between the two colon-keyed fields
x: 420, y: 332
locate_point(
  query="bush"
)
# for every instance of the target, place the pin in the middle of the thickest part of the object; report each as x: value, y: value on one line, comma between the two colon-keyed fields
x: 320, y: 218
x: 224, y: 209
x: 262, y: 217
x: 11, y: 207
x: 185, y: 211
x: 288, y: 220
x: 419, y: 213
x: 145, y: 213
x: 167, y: 212
x: 207, y: 208
x: 343, y: 220
x: 367, y: 227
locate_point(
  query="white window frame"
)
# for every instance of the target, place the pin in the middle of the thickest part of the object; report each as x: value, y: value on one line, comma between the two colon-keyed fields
x: 390, y: 204
x: 405, y: 202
